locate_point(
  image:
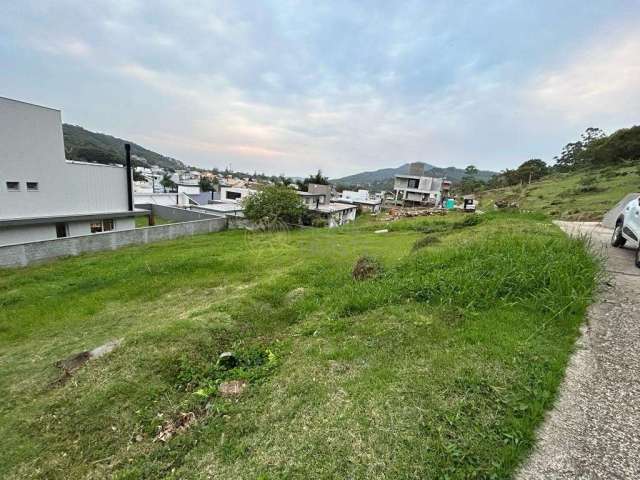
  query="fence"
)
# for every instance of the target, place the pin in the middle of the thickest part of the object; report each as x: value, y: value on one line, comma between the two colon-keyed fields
x: 27, y: 253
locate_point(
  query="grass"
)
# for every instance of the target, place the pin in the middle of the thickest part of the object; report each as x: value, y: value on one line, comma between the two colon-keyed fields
x: 568, y: 195
x: 143, y: 221
x: 441, y: 366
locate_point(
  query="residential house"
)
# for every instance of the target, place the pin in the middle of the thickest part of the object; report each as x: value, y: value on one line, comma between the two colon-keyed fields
x: 43, y: 196
x: 415, y: 189
x: 235, y: 194
x: 318, y: 199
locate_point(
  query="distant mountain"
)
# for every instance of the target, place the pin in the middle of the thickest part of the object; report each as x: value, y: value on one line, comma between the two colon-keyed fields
x: 383, y: 179
x: 84, y: 145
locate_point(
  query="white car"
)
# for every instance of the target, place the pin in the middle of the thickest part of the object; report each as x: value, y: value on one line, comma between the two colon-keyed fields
x: 627, y: 227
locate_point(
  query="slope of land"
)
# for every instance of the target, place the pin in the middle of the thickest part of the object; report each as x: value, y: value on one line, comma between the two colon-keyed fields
x: 432, y: 369
x: 85, y: 145
x: 582, y: 195
x: 383, y: 179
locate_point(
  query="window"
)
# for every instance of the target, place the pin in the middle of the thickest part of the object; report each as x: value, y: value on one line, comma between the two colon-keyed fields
x: 32, y: 186
x: 61, y: 230
x: 107, y: 224
x: 413, y: 183
x: 233, y: 195
x: 13, y: 186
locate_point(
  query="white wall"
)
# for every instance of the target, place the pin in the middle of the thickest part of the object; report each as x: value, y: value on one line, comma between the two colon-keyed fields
x: 32, y: 150
x: 166, y: 199
x: 39, y: 232
x: 26, y: 233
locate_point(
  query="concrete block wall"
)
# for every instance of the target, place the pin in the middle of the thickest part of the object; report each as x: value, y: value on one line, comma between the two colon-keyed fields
x: 28, y: 253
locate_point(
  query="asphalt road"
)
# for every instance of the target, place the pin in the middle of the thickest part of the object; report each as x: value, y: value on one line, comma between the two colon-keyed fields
x: 593, y: 431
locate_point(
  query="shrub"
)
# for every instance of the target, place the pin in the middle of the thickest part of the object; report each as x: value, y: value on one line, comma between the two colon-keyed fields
x: 365, y: 268
x: 274, y: 205
x: 425, y: 242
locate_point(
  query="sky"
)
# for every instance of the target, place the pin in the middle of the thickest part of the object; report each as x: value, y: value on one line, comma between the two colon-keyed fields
x: 286, y: 86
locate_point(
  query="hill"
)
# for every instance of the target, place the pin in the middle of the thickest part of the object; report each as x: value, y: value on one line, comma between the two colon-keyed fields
x: 87, y: 146
x: 433, y: 368
x: 382, y: 179
x: 585, y: 194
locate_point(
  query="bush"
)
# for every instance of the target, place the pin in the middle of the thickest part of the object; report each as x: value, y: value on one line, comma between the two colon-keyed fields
x: 274, y: 205
x: 319, y: 222
x: 365, y: 268
x: 425, y: 242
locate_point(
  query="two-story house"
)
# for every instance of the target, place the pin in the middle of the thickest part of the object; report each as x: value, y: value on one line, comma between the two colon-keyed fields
x: 415, y: 189
x: 43, y: 196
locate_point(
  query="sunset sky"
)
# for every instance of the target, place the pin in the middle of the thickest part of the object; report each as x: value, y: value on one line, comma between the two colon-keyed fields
x: 291, y: 86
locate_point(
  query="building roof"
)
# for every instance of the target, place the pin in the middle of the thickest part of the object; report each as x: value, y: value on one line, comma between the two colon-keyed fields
x: 72, y: 217
x: 332, y: 207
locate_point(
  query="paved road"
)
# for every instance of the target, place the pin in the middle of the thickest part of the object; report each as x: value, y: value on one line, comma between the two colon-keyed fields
x: 593, y: 432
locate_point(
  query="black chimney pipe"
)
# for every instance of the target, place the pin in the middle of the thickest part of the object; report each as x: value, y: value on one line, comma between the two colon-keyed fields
x: 127, y: 149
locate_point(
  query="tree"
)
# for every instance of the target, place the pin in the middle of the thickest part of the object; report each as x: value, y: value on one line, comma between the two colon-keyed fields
x: 207, y: 185
x: 138, y: 177
x: 471, y: 170
x: 532, y: 170
x: 469, y: 183
x: 167, y: 183
x: 276, y: 204
x: 318, y: 179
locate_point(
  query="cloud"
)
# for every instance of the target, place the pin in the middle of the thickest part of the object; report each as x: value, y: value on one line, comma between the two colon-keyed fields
x: 343, y: 86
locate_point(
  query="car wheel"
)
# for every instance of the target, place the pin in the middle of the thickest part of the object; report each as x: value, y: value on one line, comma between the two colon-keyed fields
x: 617, y: 240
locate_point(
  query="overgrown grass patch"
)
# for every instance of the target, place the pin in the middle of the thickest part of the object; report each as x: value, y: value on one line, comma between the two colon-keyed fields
x: 440, y: 366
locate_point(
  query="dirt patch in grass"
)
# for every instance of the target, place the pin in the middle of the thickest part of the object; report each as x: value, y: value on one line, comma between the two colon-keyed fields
x: 75, y: 362
x: 232, y: 388
x: 365, y: 268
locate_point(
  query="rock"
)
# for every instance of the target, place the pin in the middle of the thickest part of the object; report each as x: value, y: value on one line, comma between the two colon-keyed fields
x: 227, y: 360
x: 232, y: 388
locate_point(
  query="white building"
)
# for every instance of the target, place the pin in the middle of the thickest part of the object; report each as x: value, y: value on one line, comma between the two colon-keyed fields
x: 336, y: 214
x: 43, y: 196
x: 360, y: 195
x: 416, y: 189
x: 235, y: 194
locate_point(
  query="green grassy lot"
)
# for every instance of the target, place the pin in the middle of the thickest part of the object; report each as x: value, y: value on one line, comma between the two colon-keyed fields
x: 440, y: 367
x: 143, y: 221
x: 560, y: 195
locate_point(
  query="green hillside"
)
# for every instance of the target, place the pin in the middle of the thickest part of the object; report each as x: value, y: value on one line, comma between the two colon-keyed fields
x: 584, y: 194
x: 84, y: 145
x: 429, y: 369
x: 382, y: 179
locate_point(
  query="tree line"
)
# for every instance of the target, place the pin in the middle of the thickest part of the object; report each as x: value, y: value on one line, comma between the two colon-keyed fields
x: 594, y: 149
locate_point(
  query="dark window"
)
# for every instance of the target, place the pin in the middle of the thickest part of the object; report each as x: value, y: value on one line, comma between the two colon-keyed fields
x: 61, y: 230
x: 107, y: 224
x: 233, y: 195
x: 32, y: 186
x: 413, y: 183
x: 96, y: 227
x: 14, y: 186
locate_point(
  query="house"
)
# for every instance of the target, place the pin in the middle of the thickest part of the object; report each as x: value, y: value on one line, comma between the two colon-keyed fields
x: 369, y: 205
x: 316, y: 195
x: 417, y: 190
x: 43, y: 196
x: 361, y: 199
x: 235, y: 194
x: 318, y: 199
x: 336, y: 214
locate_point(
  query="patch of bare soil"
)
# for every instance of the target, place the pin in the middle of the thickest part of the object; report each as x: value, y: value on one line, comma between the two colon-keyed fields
x: 75, y: 362
x: 232, y: 388
x: 175, y: 426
